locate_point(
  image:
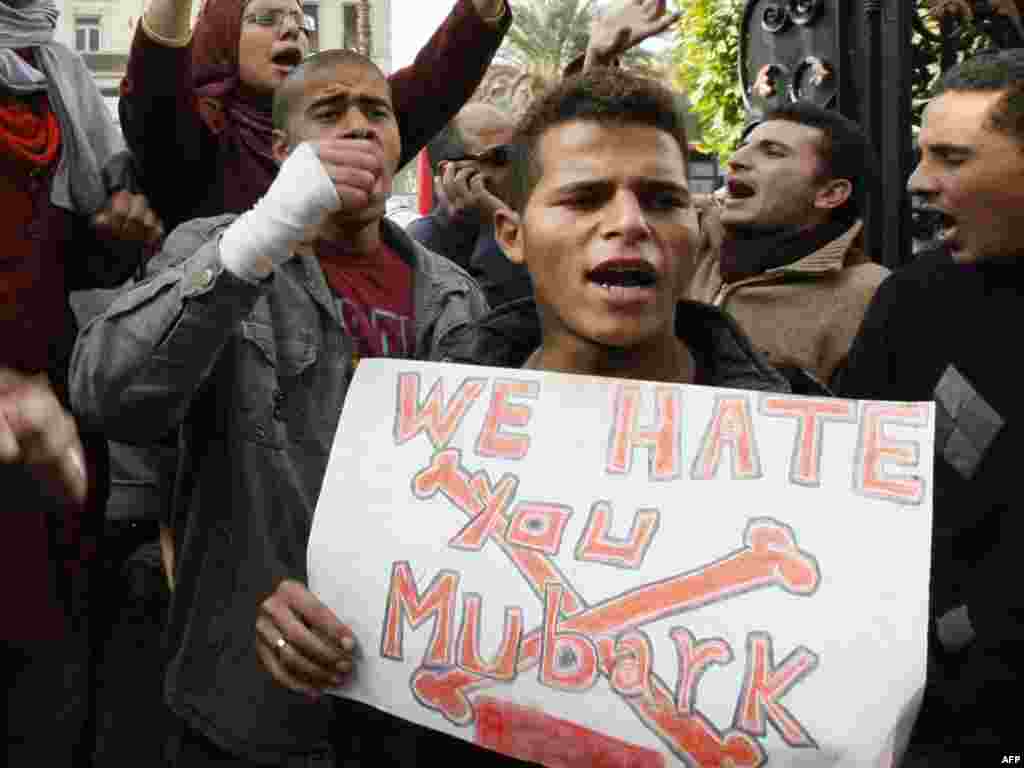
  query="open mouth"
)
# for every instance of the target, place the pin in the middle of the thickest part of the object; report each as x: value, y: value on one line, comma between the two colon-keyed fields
x: 739, y: 190
x: 287, y: 57
x: 948, y: 229
x: 623, y: 274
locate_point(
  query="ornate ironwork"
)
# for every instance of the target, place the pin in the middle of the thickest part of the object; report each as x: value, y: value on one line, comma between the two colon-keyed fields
x: 876, y: 61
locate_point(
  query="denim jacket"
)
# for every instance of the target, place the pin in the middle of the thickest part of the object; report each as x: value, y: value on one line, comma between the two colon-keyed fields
x: 256, y: 375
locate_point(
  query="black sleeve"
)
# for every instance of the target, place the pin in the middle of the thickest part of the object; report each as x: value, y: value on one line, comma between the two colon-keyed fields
x: 867, y: 372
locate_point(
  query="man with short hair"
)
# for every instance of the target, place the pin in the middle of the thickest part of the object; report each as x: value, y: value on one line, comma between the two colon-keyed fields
x: 247, y: 333
x: 782, y: 251
x: 604, y: 222
x: 470, y: 160
x: 928, y: 335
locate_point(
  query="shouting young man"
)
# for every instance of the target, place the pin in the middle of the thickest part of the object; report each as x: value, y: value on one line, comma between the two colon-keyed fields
x: 247, y: 333
x: 606, y: 226
x: 927, y: 335
x: 782, y: 250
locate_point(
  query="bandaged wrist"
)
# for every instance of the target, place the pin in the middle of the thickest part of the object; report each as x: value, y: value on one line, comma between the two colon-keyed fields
x: 296, y: 204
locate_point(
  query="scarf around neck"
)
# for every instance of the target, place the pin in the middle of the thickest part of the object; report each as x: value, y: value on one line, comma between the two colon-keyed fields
x: 744, y: 257
x: 89, y: 137
x: 216, y: 84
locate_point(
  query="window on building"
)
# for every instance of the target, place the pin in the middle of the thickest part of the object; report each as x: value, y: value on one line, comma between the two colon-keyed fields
x: 312, y: 11
x: 87, y: 34
x: 351, y: 19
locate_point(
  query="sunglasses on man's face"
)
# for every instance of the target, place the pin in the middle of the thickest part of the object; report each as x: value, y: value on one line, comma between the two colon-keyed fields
x: 499, y: 155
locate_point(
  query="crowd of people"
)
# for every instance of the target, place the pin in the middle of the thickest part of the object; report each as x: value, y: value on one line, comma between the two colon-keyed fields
x: 175, y: 364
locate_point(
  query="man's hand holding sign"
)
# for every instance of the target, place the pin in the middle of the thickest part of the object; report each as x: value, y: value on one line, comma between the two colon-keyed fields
x: 696, y: 556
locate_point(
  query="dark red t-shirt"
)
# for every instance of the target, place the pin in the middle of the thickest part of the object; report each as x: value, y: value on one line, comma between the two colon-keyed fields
x: 374, y: 294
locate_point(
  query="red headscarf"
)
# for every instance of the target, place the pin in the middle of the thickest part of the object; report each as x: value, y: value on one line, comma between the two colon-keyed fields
x: 215, y: 79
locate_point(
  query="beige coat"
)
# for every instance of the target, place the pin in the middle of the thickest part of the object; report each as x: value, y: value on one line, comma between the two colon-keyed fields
x: 804, y: 314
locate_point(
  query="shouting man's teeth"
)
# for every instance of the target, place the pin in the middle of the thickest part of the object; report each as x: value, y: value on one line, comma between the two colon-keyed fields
x: 623, y: 276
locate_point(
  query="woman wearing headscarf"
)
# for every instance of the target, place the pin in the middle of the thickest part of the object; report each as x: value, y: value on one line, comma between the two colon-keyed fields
x: 196, y: 105
x: 64, y: 193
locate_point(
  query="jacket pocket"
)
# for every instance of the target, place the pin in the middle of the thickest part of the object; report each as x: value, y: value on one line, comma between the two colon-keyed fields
x: 269, y: 370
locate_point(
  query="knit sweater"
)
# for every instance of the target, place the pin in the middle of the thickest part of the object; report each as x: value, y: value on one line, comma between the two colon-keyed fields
x: 927, y: 336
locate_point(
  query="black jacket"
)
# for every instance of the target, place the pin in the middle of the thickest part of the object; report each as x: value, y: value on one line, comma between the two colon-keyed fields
x: 472, y: 246
x: 934, y: 331
x: 507, y: 336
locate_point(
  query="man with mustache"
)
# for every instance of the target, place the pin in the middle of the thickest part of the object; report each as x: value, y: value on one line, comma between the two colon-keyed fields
x: 247, y: 333
x: 782, y: 243
x: 471, y: 158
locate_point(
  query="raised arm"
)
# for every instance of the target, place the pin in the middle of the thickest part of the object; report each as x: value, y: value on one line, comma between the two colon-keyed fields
x: 137, y: 368
x: 158, y: 112
x: 447, y: 70
x: 624, y: 25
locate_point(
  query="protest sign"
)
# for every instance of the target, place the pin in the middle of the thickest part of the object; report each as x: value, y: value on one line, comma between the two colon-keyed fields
x: 582, y: 571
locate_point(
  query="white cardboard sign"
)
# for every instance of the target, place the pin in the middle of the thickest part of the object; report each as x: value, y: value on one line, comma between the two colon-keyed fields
x: 593, y: 572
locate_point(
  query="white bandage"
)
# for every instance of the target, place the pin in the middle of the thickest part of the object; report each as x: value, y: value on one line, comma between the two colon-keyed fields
x: 298, y: 201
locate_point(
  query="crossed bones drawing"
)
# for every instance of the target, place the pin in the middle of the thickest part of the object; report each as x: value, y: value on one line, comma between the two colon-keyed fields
x: 769, y: 558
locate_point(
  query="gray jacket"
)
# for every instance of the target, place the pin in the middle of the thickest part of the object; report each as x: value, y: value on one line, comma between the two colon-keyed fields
x: 256, y: 375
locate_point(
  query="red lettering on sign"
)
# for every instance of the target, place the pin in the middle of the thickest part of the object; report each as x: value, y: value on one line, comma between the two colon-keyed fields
x: 568, y: 659
x: 810, y: 415
x: 445, y: 475
x: 632, y: 666
x: 493, y: 441
x: 447, y: 690
x: 406, y: 604
x: 875, y: 449
x: 765, y: 684
x: 438, y: 420
x: 731, y: 426
x: 503, y: 665
x: 662, y: 438
x: 599, y: 546
x: 538, y: 525
x: 532, y: 735
x: 694, y: 659
x: 496, y: 502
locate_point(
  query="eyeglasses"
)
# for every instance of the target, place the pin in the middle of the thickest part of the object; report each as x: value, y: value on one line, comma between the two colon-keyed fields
x: 499, y: 155
x: 275, y: 19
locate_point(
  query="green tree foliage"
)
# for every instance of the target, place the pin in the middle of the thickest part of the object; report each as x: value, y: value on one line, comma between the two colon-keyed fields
x: 706, y: 59
x: 706, y: 67
x: 546, y: 35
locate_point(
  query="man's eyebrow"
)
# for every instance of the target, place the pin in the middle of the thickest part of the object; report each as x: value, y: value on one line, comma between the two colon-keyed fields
x: 773, y: 143
x: 666, y: 184
x: 946, y: 148
x: 586, y: 185
x: 344, y: 98
x: 603, y: 185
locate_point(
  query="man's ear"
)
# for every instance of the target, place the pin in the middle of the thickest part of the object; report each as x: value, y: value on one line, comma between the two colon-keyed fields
x: 508, y: 231
x: 833, y: 194
x: 281, y: 146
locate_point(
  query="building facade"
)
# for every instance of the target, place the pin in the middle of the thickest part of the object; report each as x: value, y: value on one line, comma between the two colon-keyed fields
x: 102, y: 31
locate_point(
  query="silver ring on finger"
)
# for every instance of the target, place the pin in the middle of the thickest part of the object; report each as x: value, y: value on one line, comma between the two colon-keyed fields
x: 279, y: 645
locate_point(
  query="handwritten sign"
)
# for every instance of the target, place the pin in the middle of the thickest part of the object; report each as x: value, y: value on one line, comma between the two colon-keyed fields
x: 594, y: 572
